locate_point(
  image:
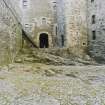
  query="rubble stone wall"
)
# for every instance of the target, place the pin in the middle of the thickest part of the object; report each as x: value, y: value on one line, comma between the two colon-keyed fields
x: 10, y: 35
x: 76, y: 24
x: 97, y: 44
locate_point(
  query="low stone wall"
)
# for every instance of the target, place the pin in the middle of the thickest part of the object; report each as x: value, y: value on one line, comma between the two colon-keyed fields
x: 10, y: 35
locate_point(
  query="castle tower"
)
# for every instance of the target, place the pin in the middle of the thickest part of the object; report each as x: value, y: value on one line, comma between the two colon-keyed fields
x: 76, y: 24
x: 38, y: 17
x: 55, y: 23
x: 96, y: 28
x: 39, y: 20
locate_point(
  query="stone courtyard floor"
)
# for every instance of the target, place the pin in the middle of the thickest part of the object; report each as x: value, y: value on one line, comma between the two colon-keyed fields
x: 39, y: 84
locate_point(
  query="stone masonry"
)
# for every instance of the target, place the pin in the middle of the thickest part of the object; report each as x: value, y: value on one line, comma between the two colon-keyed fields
x: 63, y: 21
x: 76, y: 23
x: 78, y: 26
x: 96, y: 29
x: 38, y: 18
x: 10, y: 35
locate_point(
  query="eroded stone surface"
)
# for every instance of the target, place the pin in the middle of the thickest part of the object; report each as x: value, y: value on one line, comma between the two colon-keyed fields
x: 24, y: 84
x: 10, y: 35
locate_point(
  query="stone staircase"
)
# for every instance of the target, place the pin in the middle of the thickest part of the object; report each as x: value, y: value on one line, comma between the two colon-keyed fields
x: 25, y: 36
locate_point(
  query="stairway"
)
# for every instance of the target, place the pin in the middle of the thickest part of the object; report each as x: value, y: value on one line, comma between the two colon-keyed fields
x: 25, y: 36
x: 28, y: 39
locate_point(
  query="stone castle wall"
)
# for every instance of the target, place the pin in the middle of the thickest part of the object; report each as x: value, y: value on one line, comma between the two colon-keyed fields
x: 10, y: 35
x: 37, y: 18
x: 68, y: 23
x: 76, y: 24
x: 96, y: 41
x: 60, y: 16
x: 61, y: 23
x: 64, y: 21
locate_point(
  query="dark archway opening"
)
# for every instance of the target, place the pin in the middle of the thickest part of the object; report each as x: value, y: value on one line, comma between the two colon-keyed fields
x: 44, y: 42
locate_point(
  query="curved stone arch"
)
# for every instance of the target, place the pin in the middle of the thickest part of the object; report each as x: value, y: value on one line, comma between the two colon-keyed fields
x: 49, y: 38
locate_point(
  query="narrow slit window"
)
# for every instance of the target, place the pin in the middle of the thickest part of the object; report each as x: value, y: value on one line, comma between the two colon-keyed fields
x: 56, y: 30
x: 94, y: 35
x: 54, y: 6
x: 93, y: 19
x: 92, y: 1
x: 62, y: 40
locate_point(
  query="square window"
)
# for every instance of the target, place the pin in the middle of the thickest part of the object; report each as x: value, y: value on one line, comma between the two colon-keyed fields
x: 25, y: 3
x: 92, y: 1
x: 44, y: 21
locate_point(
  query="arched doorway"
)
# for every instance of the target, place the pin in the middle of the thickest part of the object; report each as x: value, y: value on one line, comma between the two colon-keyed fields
x: 43, y: 40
